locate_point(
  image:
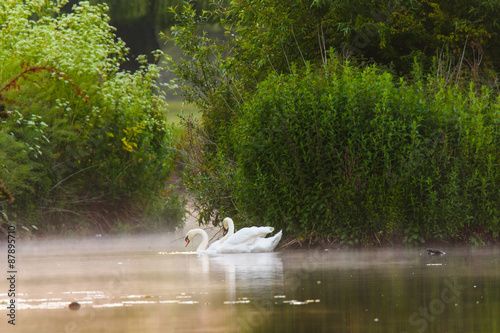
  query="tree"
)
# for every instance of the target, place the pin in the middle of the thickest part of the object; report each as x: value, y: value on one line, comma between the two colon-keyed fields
x: 294, y: 121
x: 78, y: 133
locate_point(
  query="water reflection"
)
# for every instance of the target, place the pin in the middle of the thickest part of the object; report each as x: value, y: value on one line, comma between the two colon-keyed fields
x: 250, y: 275
x: 139, y: 285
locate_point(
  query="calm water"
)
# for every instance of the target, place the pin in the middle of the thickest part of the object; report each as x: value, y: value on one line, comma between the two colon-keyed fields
x: 143, y: 285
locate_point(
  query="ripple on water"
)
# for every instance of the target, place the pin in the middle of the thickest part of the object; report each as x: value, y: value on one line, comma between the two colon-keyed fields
x: 242, y: 300
x: 178, y: 252
x: 295, y: 302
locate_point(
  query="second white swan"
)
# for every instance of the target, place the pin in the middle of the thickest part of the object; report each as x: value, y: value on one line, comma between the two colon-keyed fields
x: 245, y: 240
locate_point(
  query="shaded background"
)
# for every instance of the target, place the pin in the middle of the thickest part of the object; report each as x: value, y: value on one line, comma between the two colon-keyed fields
x: 139, y: 22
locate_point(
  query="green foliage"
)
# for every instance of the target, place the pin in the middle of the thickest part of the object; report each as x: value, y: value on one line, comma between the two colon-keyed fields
x: 206, y: 79
x: 395, y: 32
x: 290, y: 135
x: 156, y: 215
x: 270, y: 35
x: 209, y: 176
x: 79, y: 134
x: 347, y: 152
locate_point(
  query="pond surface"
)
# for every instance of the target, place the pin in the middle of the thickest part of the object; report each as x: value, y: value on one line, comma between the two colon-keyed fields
x: 143, y: 285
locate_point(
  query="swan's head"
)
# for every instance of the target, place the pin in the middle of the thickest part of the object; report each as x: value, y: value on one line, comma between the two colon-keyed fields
x: 189, y: 236
x: 225, y: 226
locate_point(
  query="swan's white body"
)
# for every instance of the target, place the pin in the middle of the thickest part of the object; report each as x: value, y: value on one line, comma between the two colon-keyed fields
x: 245, y: 240
x: 250, y: 240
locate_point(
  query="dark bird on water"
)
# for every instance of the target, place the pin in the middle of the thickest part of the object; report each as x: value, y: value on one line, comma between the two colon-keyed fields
x: 433, y: 252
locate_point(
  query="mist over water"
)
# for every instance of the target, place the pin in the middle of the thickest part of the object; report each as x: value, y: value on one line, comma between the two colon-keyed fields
x: 154, y: 284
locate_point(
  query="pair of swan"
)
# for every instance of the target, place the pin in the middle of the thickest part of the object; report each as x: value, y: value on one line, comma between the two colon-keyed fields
x: 246, y: 240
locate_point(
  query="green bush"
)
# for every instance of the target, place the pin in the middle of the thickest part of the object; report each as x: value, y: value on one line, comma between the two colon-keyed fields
x: 290, y: 136
x: 354, y: 153
x: 81, y: 138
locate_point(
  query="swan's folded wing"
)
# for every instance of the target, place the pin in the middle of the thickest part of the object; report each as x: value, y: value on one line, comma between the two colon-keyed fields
x: 249, y: 235
x: 261, y: 231
x: 250, y: 240
x: 266, y: 244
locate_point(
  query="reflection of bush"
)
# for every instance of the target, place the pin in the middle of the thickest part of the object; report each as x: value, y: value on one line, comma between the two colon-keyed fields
x: 78, y: 134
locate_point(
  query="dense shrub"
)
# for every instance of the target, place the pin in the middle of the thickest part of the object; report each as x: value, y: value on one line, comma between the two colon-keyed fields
x: 80, y: 138
x: 357, y: 154
x: 290, y: 135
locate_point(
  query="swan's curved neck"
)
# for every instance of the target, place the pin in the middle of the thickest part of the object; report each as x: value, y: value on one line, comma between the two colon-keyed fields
x: 204, y: 239
x: 230, y: 230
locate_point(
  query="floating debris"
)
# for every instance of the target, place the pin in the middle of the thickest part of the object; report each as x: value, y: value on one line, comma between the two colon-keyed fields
x: 279, y: 296
x: 74, y: 306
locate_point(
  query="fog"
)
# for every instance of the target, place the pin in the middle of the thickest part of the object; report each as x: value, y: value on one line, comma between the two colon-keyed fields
x: 152, y: 283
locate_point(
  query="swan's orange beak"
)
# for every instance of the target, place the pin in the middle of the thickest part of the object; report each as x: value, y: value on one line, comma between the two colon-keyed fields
x: 224, y: 231
x: 187, y: 240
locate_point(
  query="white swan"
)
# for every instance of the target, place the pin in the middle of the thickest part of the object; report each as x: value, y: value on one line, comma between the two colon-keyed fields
x: 204, y: 241
x: 228, y: 227
x: 244, y: 241
x: 228, y: 231
x: 249, y: 240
